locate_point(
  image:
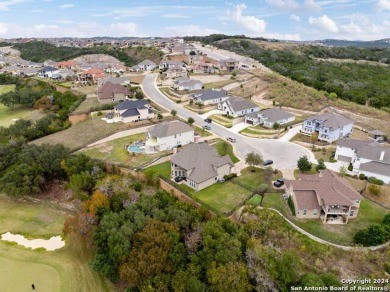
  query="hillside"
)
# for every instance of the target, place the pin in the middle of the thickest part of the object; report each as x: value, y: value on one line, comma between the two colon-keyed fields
x: 38, y: 51
x: 359, y: 83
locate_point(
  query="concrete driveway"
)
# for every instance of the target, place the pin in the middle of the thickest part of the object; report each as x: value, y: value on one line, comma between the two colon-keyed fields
x: 284, y: 154
x: 239, y: 127
x: 291, y: 133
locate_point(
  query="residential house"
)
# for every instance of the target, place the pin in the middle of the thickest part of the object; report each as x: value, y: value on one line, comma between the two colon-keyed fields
x: 228, y: 64
x: 48, y: 72
x: 177, y: 72
x: 115, y: 80
x: 187, y: 84
x: 209, y: 96
x: 116, y: 69
x: 92, y: 75
x: 133, y: 111
x: 203, y: 68
x: 368, y: 158
x: 269, y: 117
x: 66, y: 65
x: 145, y: 65
x: 50, y: 63
x: 330, y: 126
x: 166, y: 64
x: 326, y: 196
x: 237, y: 106
x: 201, y: 165
x: 28, y: 72
x: 184, y: 48
x: 110, y: 92
x: 167, y: 135
x: 377, y: 135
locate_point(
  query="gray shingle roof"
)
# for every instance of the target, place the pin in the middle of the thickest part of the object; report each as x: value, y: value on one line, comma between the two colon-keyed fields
x: 209, y: 94
x: 275, y: 114
x: 376, y: 133
x: 331, y: 120
x: 376, y: 167
x: 131, y: 104
x: 130, y: 113
x: 147, y: 63
x: 353, y: 143
x: 307, y: 200
x: 238, y: 103
x: 203, y: 159
x: 48, y: 69
x: 373, y: 153
x: 166, y: 129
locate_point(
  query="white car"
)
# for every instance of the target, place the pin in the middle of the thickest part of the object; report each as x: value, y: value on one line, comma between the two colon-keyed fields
x: 233, y: 140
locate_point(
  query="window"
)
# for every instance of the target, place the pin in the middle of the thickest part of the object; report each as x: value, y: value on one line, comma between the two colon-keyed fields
x: 315, y: 212
x: 351, y: 213
x: 357, y: 201
x: 304, y: 212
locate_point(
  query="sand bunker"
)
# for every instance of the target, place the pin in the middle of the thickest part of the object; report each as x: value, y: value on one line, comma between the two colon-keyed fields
x: 51, y: 244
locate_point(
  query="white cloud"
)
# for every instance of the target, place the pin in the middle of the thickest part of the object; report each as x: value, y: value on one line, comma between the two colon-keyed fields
x: 382, y: 5
x: 175, y: 15
x: 4, y: 5
x: 80, y: 29
x: 250, y: 23
x: 293, y: 5
x: 67, y: 6
x: 351, y: 28
x: 188, y: 30
x: 324, y: 23
x: 294, y: 17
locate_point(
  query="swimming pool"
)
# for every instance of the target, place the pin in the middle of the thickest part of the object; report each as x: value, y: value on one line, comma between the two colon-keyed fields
x: 135, y: 149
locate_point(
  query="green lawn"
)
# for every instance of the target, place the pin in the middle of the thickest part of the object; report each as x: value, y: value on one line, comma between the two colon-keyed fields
x: 163, y: 169
x: 255, y: 200
x: 115, y: 151
x: 87, y: 105
x: 82, y: 134
x: 63, y: 270
x: 253, y: 179
x: 8, y: 116
x: 219, y: 146
x: 369, y: 213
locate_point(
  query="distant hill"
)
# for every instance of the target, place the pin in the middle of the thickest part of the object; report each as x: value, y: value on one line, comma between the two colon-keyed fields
x: 384, y: 43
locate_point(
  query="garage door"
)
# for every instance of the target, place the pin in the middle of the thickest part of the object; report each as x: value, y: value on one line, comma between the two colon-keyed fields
x: 344, y: 158
x: 250, y: 122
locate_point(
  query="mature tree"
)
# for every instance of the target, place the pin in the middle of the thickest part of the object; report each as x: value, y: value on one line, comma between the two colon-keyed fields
x: 151, y: 252
x: 229, y: 277
x: 184, y: 281
x: 304, y: 164
x: 190, y: 121
x: 312, y: 280
x: 321, y: 165
x: 159, y: 116
x: 173, y: 113
x: 139, y: 94
x: 386, y: 219
x: 98, y: 203
x: 224, y: 147
x: 253, y: 159
x: 276, y: 126
x: 373, y: 235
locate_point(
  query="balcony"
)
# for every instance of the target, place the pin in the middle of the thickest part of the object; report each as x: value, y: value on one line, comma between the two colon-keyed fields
x: 343, y: 210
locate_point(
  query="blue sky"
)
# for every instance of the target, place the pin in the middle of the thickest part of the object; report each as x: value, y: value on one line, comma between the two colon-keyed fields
x: 281, y: 19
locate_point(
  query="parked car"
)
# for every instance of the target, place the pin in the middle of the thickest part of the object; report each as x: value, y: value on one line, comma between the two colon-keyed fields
x: 233, y: 140
x: 279, y: 182
x: 207, y: 127
x: 208, y: 120
x: 178, y: 179
x: 267, y: 162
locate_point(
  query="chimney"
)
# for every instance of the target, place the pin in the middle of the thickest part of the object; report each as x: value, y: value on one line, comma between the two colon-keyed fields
x: 382, y: 155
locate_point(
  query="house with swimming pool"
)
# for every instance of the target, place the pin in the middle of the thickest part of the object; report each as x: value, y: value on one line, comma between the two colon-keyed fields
x: 167, y: 135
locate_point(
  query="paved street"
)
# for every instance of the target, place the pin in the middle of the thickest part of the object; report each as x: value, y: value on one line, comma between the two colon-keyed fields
x: 284, y: 154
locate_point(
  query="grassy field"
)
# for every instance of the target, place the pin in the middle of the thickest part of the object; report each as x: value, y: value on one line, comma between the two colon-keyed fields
x: 163, y: 169
x: 324, y: 153
x: 115, y: 151
x: 218, y: 84
x: 86, y: 89
x: 8, y: 116
x: 223, y: 121
x: 87, y: 104
x: 62, y: 270
x: 82, y: 134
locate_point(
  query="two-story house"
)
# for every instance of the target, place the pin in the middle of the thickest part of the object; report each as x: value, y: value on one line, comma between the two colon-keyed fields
x: 145, y: 65
x: 133, y: 111
x: 269, y: 117
x: 228, y: 64
x: 167, y: 135
x: 326, y: 196
x: 48, y: 72
x: 111, y: 92
x: 330, y: 126
x: 367, y: 157
x: 200, y: 165
x: 237, y: 106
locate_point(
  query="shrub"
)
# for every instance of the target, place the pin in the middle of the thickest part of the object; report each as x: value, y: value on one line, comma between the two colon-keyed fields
x: 100, y: 113
x: 387, y: 265
x: 374, y: 190
x: 375, y: 181
x: 386, y: 219
x: 372, y: 235
x: 230, y: 176
x: 350, y: 167
x: 362, y: 176
x: 291, y: 205
x: 137, y: 186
